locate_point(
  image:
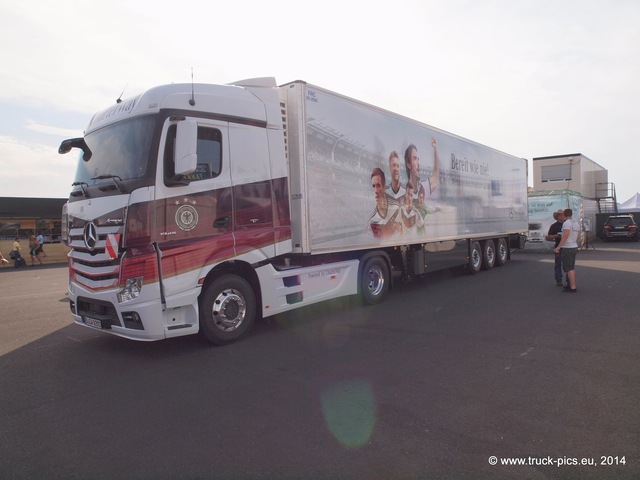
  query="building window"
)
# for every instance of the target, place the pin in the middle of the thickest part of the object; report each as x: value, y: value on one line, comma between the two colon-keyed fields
x: 556, y: 173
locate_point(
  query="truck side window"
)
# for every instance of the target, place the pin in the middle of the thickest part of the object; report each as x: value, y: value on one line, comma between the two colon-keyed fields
x: 209, y: 156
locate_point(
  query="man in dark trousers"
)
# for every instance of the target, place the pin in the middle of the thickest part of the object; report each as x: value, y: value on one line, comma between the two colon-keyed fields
x: 554, y: 235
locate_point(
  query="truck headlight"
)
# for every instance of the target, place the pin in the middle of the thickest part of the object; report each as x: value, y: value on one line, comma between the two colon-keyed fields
x: 131, y: 290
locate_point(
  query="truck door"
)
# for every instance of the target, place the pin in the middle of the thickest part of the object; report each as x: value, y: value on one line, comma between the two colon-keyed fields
x: 253, y: 192
x: 194, y: 212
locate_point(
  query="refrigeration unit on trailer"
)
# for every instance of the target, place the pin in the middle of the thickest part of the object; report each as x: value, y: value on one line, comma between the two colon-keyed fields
x: 199, y: 208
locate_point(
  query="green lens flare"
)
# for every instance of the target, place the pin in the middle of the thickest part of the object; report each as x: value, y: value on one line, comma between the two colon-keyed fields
x: 349, y: 411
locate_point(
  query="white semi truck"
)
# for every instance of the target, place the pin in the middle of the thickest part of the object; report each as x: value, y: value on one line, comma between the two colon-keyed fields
x: 199, y: 208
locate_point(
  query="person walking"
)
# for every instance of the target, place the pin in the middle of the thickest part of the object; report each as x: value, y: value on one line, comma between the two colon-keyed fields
x: 40, y: 249
x: 568, y: 247
x: 554, y: 235
x: 33, y: 250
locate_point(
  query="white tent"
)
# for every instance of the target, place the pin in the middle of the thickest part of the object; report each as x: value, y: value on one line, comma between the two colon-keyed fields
x: 633, y: 204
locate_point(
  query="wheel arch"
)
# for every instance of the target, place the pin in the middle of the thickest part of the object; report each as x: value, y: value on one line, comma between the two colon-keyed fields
x: 242, y: 269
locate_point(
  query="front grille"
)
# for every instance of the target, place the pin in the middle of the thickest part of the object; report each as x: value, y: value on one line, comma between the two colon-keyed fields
x: 93, y: 268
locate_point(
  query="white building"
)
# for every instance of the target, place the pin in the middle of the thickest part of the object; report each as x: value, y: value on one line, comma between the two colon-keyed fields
x: 578, y: 173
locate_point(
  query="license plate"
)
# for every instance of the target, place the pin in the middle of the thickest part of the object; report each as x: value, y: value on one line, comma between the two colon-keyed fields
x: 93, y: 322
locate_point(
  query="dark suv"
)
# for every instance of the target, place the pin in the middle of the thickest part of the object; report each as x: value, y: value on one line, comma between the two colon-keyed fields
x: 620, y: 226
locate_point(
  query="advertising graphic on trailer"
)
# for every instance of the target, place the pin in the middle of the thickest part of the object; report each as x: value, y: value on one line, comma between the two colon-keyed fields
x: 376, y: 177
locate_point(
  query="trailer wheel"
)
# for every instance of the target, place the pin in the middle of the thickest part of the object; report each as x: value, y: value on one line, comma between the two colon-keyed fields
x: 374, y: 280
x: 475, y: 258
x: 488, y: 255
x: 227, y: 309
x: 502, y: 252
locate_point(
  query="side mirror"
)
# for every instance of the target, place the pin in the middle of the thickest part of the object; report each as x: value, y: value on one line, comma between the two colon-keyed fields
x: 67, y: 145
x: 186, y: 157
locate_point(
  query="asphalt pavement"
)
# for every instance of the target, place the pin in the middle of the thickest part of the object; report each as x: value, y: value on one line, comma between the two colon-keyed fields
x: 496, y: 375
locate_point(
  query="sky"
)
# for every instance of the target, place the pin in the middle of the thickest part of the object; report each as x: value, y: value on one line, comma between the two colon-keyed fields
x: 530, y: 78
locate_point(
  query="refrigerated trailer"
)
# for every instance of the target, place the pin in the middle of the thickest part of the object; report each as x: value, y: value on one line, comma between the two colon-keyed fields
x: 199, y: 208
x: 542, y: 205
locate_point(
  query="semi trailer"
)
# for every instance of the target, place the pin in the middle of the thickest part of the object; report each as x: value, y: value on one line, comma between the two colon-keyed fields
x: 201, y: 208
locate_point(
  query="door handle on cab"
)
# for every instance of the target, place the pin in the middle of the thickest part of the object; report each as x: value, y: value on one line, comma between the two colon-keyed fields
x: 222, y: 222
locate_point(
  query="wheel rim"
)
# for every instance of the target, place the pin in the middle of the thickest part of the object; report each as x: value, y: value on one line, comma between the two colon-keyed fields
x: 476, y: 258
x: 491, y: 255
x: 502, y: 251
x: 229, y: 310
x: 375, y: 285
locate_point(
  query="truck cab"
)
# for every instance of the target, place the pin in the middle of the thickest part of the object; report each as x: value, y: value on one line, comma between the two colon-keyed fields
x: 170, y: 186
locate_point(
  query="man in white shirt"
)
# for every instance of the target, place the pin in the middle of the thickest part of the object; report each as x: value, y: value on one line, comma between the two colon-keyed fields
x: 568, y: 248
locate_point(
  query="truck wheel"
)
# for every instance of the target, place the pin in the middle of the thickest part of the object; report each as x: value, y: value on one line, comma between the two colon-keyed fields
x: 475, y: 258
x: 374, y: 280
x: 502, y: 252
x: 488, y: 255
x: 227, y: 309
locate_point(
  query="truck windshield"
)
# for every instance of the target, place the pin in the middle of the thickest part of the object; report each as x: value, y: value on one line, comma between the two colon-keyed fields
x: 120, y: 150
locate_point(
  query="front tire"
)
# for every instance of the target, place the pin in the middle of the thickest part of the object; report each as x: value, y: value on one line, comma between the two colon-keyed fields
x: 227, y: 309
x: 374, y: 280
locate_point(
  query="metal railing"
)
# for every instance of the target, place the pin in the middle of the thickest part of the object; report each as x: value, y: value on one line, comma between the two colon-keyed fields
x: 606, y: 197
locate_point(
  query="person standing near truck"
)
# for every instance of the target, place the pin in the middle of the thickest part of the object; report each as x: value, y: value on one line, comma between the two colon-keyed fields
x: 569, y: 247
x: 554, y: 235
